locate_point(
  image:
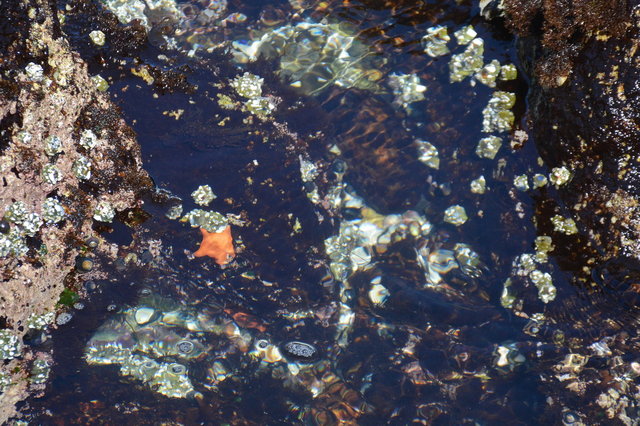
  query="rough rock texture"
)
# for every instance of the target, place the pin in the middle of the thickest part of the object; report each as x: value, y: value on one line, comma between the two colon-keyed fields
x: 64, y: 102
x: 584, y: 113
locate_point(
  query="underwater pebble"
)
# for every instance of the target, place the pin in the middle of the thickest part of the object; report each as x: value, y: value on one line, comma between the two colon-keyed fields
x: 144, y: 315
x: 203, y: 195
x: 455, y: 215
x: 298, y: 349
x: 378, y: 294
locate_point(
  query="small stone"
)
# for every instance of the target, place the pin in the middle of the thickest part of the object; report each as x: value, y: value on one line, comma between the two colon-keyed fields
x: 488, y: 147
x: 97, y: 37
x: 407, y: 89
x: 84, y: 264
x: 455, y: 215
x: 5, y: 226
x: 203, y: 195
x: 64, y: 318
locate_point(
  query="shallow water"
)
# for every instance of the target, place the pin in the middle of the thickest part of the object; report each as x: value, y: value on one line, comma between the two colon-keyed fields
x: 441, y: 349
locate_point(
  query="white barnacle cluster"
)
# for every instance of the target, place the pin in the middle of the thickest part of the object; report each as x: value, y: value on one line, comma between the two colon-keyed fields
x: 478, y: 185
x: 52, y: 145
x: 104, y: 212
x: 24, y: 223
x: 34, y: 72
x: 488, y: 147
x: 435, y: 41
x: 10, y: 346
x: 528, y: 266
x: 559, y: 176
x: 81, y: 168
x: 352, y: 249
x: 564, y: 225
x: 203, y: 195
x: 497, y: 115
x: 455, y: 215
x: 250, y: 86
x: 39, y: 321
x: 51, y: 174
x: 52, y: 211
x: 407, y: 89
x: 40, y: 371
x: 88, y: 139
x: 208, y: 220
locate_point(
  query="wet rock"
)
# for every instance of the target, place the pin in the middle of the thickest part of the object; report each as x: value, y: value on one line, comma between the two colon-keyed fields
x: 51, y: 113
x: 300, y: 350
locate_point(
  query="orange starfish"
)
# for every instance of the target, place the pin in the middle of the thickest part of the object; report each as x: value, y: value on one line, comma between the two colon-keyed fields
x: 218, y: 245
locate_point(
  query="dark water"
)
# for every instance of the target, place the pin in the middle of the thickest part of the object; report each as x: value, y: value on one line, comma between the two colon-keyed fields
x: 424, y: 356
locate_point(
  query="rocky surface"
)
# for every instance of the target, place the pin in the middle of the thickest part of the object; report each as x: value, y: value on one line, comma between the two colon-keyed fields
x: 46, y: 92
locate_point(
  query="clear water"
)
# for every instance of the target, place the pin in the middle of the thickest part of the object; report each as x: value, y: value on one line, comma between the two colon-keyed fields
x: 441, y: 349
